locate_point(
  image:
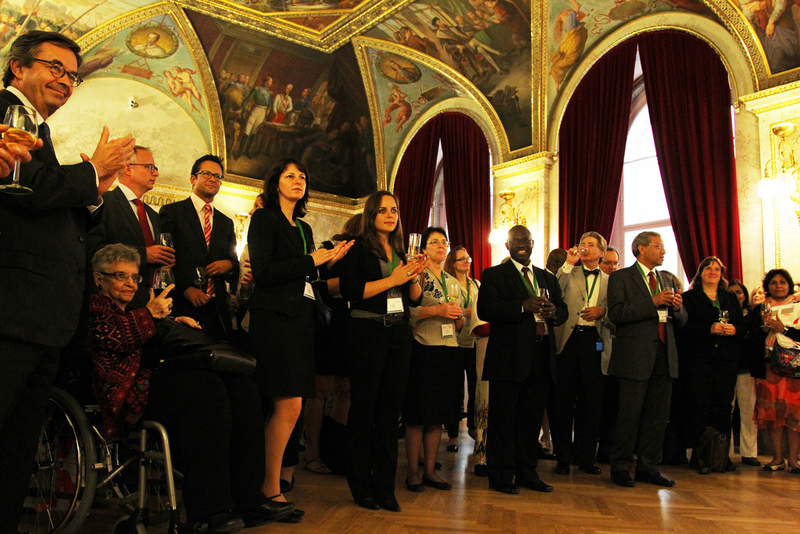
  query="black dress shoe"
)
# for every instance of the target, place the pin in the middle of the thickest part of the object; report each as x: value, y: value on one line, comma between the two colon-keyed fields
x: 294, y: 517
x: 444, y: 486
x: 562, y: 468
x: 287, y: 486
x: 657, y: 479
x: 221, y: 523
x: 481, y: 470
x: 535, y: 485
x: 504, y: 487
x: 368, y: 502
x: 622, y: 478
x: 389, y: 503
x: 416, y: 488
x: 268, y: 512
x: 591, y: 469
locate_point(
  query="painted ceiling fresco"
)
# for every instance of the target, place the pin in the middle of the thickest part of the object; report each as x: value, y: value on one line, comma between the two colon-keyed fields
x: 777, y: 26
x: 487, y: 41
x: 281, y: 99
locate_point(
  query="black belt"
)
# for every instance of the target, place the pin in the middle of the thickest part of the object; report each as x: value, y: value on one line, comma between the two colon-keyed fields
x: 585, y: 328
x: 390, y: 319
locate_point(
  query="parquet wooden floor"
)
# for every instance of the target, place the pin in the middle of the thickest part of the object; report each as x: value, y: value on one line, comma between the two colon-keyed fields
x: 748, y: 500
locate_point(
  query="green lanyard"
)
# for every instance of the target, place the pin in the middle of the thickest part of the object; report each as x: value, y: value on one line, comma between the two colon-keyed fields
x: 303, y: 235
x: 525, y: 281
x: 393, y: 264
x: 466, y: 297
x: 715, y: 302
x: 444, y: 288
x: 586, y: 281
x: 647, y: 282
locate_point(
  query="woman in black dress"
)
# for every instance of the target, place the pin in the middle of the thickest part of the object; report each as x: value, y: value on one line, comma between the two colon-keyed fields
x: 381, y: 289
x: 284, y: 263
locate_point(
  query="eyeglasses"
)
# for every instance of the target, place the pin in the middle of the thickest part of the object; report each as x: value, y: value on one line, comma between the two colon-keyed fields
x: 438, y: 242
x: 150, y: 167
x: 467, y: 259
x: 659, y: 246
x: 122, y: 277
x: 58, y: 71
x: 210, y: 175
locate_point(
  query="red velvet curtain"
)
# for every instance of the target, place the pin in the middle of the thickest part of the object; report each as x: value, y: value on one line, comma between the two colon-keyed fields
x: 413, y: 184
x: 591, y: 150
x: 690, y: 110
x: 467, y: 191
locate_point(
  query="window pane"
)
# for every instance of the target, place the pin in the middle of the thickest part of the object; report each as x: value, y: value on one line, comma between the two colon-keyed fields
x: 671, y: 258
x: 643, y: 192
x: 640, y: 143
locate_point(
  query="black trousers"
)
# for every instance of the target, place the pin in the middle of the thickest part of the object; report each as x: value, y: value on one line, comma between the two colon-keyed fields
x: 642, y: 418
x: 470, y: 368
x: 579, y: 397
x: 379, y: 362
x: 216, y: 430
x: 27, y: 373
x: 517, y: 409
x: 712, y: 384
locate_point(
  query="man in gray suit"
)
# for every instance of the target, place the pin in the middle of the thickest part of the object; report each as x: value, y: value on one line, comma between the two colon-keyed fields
x: 583, y: 344
x: 644, y: 307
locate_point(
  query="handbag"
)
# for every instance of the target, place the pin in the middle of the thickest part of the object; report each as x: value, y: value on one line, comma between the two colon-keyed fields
x: 322, y: 312
x: 784, y: 357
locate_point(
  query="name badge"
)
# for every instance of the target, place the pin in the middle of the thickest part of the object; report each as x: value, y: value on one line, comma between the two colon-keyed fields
x: 448, y: 330
x: 394, y: 305
x: 662, y: 316
x: 308, y: 292
x: 539, y: 318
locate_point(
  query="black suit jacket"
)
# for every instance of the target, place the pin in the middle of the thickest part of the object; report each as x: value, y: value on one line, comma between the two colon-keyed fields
x: 118, y: 224
x: 631, y: 309
x: 280, y: 265
x: 180, y: 219
x: 43, y: 246
x: 509, y: 355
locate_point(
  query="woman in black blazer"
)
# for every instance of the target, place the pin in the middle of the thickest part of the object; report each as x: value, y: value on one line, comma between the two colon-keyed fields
x: 284, y: 263
x: 381, y: 288
x: 711, y: 350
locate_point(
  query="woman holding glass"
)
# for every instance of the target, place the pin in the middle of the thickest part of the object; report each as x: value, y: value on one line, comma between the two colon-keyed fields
x: 712, y: 337
x: 284, y: 263
x: 381, y: 288
x: 458, y: 264
x: 436, y: 376
x: 777, y: 396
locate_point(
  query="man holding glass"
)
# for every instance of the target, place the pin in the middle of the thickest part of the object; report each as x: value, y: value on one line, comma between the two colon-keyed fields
x: 128, y: 220
x: 205, y: 251
x: 523, y: 304
x: 645, y: 308
x: 42, y: 253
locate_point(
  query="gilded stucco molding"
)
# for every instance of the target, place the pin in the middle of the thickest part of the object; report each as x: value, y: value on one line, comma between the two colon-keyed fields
x: 362, y: 56
x: 527, y: 159
x: 123, y: 22
x: 539, y: 41
x: 777, y: 105
x: 735, y: 22
x: 785, y: 88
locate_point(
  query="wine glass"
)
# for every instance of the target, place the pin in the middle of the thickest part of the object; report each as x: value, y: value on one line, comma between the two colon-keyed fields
x: 724, y: 316
x: 541, y: 292
x: 163, y: 278
x: 23, y: 129
x: 165, y: 239
x: 766, y: 308
x: 199, y: 277
x: 453, y: 290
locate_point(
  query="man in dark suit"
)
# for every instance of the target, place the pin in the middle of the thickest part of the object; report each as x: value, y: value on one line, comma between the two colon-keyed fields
x: 203, y: 237
x: 583, y: 344
x: 42, y: 254
x: 645, y: 309
x: 518, y: 364
x: 128, y: 220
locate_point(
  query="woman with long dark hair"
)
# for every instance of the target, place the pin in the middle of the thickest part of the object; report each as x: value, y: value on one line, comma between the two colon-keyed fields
x: 382, y: 285
x: 284, y: 263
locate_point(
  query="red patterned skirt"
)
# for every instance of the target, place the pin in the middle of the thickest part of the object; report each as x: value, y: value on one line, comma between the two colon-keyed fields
x: 777, y: 401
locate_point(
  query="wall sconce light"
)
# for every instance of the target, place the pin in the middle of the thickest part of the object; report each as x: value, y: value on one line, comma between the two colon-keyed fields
x: 507, y: 217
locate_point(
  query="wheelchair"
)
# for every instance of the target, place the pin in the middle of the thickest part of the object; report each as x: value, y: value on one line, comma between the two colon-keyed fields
x: 75, y: 468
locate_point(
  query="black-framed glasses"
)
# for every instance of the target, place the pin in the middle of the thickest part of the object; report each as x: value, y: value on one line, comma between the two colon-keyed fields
x: 58, y: 70
x: 150, y: 167
x: 210, y: 174
x: 122, y: 277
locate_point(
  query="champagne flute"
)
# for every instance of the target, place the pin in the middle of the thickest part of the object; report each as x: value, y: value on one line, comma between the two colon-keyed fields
x: 163, y: 278
x: 23, y: 128
x: 165, y: 239
x: 199, y: 279
x: 541, y: 292
x: 414, y: 245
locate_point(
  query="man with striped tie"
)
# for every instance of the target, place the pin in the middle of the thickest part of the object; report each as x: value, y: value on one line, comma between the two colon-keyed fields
x: 203, y: 238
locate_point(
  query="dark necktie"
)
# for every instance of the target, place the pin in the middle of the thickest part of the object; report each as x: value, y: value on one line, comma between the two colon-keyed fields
x: 44, y: 135
x: 540, y: 327
x: 595, y: 272
x: 144, y: 223
x: 662, y: 327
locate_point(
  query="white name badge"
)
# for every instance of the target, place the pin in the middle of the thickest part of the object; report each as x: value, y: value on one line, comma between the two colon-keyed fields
x: 394, y: 305
x: 308, y: 292
x: 539, y: 318
x: 662, y: 316
x: 448, y: 330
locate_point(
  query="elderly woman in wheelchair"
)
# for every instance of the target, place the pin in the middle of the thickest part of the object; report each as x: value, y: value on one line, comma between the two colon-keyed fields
x: 214, y: 420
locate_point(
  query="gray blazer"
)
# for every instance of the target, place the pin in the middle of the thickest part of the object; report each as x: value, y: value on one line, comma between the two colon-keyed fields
x: 630, y: 308
x: 573, y: 290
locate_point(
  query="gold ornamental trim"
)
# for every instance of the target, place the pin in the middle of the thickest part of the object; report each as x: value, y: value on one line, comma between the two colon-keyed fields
x: 523, y: 160
x: 362, y: 56
x: 777, y: 105
x: 774, y: 91
x: 539, y: 100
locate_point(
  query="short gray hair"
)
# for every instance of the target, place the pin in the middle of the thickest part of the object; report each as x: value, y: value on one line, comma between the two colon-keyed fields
x: 601, y: 241
x: 643, y: 239
x: 110, y: 255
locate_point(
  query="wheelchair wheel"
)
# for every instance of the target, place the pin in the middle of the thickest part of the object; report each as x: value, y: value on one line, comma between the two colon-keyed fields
x: 123, y: 526
x: 63, y: 480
